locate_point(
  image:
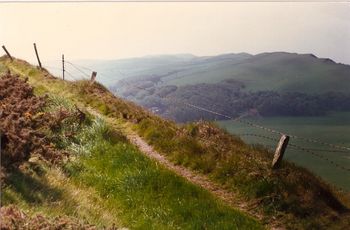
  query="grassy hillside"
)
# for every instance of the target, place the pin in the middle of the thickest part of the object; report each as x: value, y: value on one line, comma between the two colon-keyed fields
x: 98, y: 178
x: 291, y: 196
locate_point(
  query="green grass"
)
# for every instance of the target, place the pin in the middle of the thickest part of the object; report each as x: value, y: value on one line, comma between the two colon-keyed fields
x: 147, y: 195
x: 333, y: 128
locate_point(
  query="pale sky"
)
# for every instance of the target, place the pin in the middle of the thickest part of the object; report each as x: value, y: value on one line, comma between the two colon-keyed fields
x: 129, y: 29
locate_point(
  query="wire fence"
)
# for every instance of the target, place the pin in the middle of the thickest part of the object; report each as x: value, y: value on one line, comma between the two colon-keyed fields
x: 320, y: 156
x: 78, y: 69
x: 304, y: 149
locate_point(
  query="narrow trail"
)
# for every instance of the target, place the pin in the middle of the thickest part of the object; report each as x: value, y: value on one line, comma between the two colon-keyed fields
x: 201, y: 180
x: 217, y: 190
x: 228, y: 197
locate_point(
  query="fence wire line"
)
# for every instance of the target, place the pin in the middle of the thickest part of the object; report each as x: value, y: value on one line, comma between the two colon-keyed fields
x: 65, y: 71
x: 275, y: 139
x: 77, y: 68
x: 239, y: 119
x: 80, y: 66
x: 320, y: 156
x: 272, y: 130
x: 71, y: 75
x: 258, y: 135
x: 308, y: 150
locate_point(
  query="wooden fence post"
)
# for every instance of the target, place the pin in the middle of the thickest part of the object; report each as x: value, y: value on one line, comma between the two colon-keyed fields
x: 37, y: 56
x: 281, y: 148
x: 93, y: 77
x: 7, y: 52
x: 63, y: 67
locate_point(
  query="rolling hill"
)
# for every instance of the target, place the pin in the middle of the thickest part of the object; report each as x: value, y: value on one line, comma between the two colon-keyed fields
x: 281, y: 72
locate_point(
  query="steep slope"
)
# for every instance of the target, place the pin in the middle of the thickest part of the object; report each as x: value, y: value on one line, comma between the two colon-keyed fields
x: 295, y: 196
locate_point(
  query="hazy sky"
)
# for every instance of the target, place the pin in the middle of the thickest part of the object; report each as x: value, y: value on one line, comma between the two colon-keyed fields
x: 119, y: 30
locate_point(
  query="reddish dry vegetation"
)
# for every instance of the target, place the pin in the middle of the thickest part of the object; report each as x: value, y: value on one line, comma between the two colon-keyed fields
x: 13, y: 218
x: 20, y: 122
x: 24, y: 125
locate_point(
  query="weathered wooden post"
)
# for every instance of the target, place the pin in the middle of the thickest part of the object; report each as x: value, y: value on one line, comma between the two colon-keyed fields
x: 37, y: 56
x: 7, y: 52
x: 93, y: 77
x: 63, y: 67
x: 281, y: 148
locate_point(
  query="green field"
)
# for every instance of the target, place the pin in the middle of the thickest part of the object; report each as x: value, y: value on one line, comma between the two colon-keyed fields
x: 333, y: 128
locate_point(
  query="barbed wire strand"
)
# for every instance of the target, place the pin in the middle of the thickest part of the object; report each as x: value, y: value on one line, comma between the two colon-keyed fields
x: 269, y: 129
x: 275, y: 139
x: 78, y: 69
x: 72, y: 75
x: 321, y: 157
x: 80, y: 66
x: 308, y: 150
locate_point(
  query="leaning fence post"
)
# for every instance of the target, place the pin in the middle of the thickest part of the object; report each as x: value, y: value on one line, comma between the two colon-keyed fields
x: 281, y: 148
x: 37, y: 56
x: 93, y: 77
x: 7, y: 52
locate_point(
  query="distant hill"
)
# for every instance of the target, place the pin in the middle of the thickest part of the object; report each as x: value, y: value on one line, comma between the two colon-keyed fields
x: 276, y: 83
x: 278, y: 71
